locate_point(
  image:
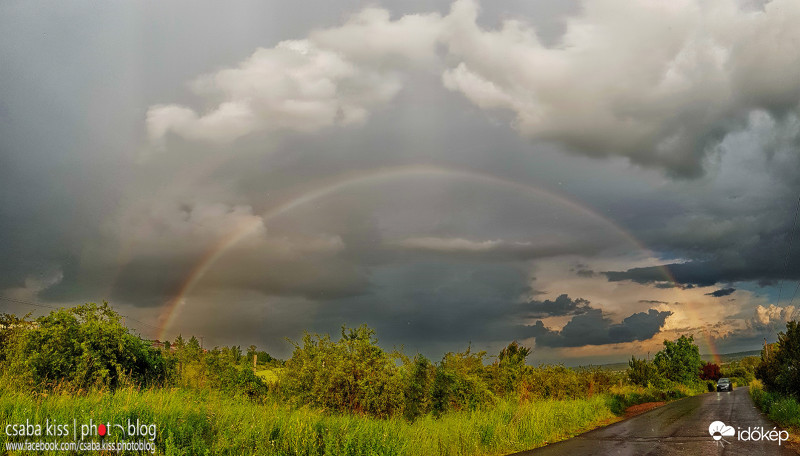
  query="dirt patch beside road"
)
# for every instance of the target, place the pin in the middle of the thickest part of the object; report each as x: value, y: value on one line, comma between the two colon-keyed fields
x: 638, y: 409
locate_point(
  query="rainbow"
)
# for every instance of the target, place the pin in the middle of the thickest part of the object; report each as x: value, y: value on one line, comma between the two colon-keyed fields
x: 327, y: 187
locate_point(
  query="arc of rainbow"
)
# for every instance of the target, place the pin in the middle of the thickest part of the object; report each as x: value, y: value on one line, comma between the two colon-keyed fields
x: 328, y: 187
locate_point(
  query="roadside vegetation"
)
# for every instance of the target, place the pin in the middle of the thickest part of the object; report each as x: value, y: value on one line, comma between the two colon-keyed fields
x: 777, y: 390
x: 343, y: 396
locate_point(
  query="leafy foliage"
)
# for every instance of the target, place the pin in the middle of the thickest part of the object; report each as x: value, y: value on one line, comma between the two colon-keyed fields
x: 710, y: 371
x: 643, y: 372
x: 460, y: 382
x: 10, y: 328
x: 779, y: 368
x: 83, y: 347
x: 679, y: 361
x: 352, y: 374
x: 510, y: 367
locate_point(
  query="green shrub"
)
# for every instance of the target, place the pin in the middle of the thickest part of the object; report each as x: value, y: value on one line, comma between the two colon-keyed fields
x: 418, y: 387
x: 82, y: 347
x: 643, y: 373
x: 460, y: 383
x: 353, y: 374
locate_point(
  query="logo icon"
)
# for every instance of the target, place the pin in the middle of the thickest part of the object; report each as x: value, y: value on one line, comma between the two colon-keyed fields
x: 718, y: 430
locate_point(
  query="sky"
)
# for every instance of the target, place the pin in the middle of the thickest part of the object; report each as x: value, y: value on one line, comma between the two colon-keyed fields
x: 589, y: 178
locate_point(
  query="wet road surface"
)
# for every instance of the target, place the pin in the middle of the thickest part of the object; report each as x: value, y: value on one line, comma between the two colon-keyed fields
x: 680, y: 427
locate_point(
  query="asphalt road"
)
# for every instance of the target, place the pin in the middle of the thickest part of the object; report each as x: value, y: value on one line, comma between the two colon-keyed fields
x: 680, y: 427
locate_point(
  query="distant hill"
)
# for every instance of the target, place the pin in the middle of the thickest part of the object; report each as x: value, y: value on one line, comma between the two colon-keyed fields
x: 728, y: 357
x: 724, y: 359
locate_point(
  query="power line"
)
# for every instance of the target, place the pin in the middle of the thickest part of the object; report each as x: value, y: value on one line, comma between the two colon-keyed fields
x: 795, y: 292
x: 788, y: 251
x: 36, y: 304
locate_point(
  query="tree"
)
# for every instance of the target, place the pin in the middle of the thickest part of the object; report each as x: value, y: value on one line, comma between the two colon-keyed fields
x: 193, y: 349
x: 180, y: 344
x: 679, y: 361
x: 780, y: 363
x: 710, y: 371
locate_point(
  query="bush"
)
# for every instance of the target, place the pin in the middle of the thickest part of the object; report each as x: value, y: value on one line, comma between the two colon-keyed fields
x: 643, y: 373
x: 418, y: 390
x: 82, y: 347
x: 509, y: 368
x: 353, y: 374
x: 460, y: 383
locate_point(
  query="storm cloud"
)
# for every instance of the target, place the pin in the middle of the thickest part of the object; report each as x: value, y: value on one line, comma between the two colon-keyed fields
x: 581, y: 173
x: 593, y: 328
x: 700, y: 70
x: 560, y: 306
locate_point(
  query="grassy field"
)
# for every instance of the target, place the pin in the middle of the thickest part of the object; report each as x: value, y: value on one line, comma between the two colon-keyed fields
x: 209, y: 422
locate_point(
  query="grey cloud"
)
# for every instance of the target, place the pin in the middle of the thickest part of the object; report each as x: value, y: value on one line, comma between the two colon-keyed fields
x: 73, y: 120
x: 721, y: 292
x: 696, y: 80
x: 560, y: 306
x: 491, y: 250
x: 593, y: 328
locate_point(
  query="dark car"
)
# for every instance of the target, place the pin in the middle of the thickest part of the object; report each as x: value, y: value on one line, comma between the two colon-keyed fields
x: 724, y: 384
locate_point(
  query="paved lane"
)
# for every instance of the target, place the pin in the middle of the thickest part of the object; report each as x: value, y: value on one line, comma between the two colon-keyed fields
x: 680, y: 427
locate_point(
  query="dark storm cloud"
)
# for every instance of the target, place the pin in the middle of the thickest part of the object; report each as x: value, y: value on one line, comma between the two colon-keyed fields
x: 732, y: 226
x: 560, y: 306
x: 721, y: 292
x: 593, y: 328
x: 86, y: 215
x: 461, y: 303
x: 756, y: 267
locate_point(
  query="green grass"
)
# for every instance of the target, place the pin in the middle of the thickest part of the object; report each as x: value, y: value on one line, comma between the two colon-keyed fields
x: 270, y: 376
x: 210, y: 422
x: 783, y: 410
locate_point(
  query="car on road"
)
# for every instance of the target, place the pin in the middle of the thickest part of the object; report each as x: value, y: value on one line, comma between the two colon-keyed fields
x: 724, y: 384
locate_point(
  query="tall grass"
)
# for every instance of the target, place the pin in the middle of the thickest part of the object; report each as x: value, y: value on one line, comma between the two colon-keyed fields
x: 783, y: 410
x: 211, y: 422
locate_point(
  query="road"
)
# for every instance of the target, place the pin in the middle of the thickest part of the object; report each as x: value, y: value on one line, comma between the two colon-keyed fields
x: 680, y: 427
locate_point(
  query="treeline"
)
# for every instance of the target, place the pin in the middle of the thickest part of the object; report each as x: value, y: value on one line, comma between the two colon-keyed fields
x: 680, y: 363
x: 89, y: 347
x: 354, y: 374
